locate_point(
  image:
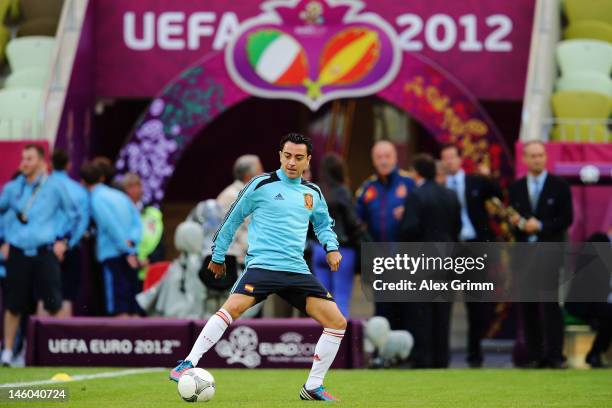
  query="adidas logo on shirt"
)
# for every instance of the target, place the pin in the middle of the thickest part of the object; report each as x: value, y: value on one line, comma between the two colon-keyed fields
x: 279, y: 196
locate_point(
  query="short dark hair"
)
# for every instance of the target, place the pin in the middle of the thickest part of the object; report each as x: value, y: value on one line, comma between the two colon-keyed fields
x: 59, y: 159
x: 90, y: 173
x: 296, y: 138
x: 425, y: 166
x: 332, y: 169
x: 106, y: 168
x: 447, y: 146
x: 39, y: 149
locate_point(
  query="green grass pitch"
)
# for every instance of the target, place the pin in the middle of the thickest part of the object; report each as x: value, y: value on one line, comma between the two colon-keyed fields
x: 356, y: 388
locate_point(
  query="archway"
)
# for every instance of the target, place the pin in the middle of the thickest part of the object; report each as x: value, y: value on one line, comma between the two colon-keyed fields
x: 202, y: 92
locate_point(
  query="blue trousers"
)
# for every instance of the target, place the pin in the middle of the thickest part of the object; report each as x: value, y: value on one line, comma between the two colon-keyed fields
x: 339, y: 283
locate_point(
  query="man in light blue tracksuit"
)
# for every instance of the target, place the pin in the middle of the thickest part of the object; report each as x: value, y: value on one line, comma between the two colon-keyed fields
x: 119, y: 230
x: 71, y: 264
x: 281, y: 205
x: 36, y: 241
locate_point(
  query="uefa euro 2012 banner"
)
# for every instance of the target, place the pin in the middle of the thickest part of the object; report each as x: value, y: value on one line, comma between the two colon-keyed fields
x: 154, y: 342
x: 142, y: 45
x: 487, y: 272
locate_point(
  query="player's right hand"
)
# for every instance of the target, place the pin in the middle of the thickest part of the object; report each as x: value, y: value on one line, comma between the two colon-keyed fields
x: 333, y: 260
x: 217, y: 269
x: 4, y: 250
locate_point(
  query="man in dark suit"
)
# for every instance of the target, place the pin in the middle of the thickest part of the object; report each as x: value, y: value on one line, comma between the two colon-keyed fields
x: 544, y: 202
x: 432, y: 214
x: 593, y: 276
x: 473, y: 191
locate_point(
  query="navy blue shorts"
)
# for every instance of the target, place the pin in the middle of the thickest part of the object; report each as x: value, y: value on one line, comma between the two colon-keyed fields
x: 71, y: 274
x: 121, y: 285
x: 291, y: 286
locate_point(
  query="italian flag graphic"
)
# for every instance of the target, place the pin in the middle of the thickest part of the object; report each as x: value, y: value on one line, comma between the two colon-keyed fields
x: 277, y: 58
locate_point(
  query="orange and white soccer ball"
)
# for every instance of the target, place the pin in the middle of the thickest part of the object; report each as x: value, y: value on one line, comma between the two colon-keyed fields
x: 196, y: 385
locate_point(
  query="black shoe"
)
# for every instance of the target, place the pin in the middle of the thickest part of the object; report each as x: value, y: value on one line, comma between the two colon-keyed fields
x: 530, y: 364
x: 594, y: 360
x: 555, y: 364
x: 475, y: 362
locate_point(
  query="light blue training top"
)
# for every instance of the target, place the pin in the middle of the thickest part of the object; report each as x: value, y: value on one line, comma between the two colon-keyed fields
x: 79, y: 196
x: 281, y: 209
x: 117, y: 222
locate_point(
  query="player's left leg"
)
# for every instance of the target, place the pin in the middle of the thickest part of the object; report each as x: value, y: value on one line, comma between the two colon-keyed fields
x: 212, y: 332
x: 325, y: 312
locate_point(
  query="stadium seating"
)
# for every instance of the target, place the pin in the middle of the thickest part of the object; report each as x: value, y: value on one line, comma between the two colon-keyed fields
x: 596, y: 30
x: 40, y: 26
x: 35, y: 9
x: 5, y: 35
x: 19, y: 113
x: 581, y: 116
x: 588, y: 10
x: 30, y: 52
x: 14, y: 11
x: 586, y: 81
x: 27, y: 78
x: 5, y: 6
x: 575, y: 56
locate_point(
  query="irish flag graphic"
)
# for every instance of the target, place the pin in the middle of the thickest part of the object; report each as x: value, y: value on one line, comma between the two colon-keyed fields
x: 277, y: 58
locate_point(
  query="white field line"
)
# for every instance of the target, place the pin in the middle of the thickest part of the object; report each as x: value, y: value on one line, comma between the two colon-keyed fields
x: 81, y: 377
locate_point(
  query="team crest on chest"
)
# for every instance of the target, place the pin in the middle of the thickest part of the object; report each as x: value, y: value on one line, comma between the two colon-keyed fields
x: 370, y: 194
x: 308, y: 201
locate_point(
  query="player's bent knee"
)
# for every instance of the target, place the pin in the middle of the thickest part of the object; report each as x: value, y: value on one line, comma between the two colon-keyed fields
x: 342, y: 323
x: 337, y: 323
x: 237, y: 304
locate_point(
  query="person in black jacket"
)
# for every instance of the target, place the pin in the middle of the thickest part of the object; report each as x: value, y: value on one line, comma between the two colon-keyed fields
x: 348, y: 227
x: 544, y: 202
x: 432, y: 214
x: 592, y: 281
x: 473, y: 191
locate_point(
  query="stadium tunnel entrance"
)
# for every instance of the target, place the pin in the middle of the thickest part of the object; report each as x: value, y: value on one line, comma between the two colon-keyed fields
x: 192, y: 102
x: 192, y: 132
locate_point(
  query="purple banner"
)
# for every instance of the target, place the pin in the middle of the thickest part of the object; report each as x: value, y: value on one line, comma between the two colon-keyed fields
x: 108, y: 342
x: 271, y: 343
x: 204, y: 91
x: 249, y: 343
x: 141, y: 46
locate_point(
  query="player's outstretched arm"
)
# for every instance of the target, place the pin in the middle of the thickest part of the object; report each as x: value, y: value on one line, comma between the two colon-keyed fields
x: 242, y: 207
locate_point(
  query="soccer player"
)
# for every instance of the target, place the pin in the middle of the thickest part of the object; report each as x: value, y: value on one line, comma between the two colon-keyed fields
x: 281, y: 205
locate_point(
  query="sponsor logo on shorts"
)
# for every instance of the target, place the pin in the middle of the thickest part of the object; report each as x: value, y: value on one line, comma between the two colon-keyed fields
x: 249, y: 288
x: 308, y: 201
x: 329, y: 295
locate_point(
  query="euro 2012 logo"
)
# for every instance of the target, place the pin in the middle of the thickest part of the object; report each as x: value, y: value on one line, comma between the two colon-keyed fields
x: 313, y: 52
